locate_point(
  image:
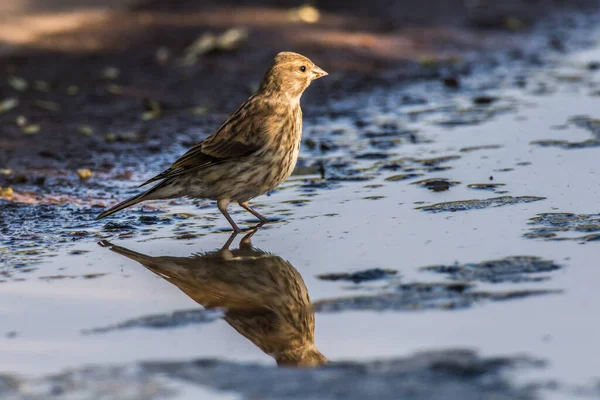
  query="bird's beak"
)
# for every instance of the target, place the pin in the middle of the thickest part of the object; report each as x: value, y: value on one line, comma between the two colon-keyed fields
x: 318, y: 73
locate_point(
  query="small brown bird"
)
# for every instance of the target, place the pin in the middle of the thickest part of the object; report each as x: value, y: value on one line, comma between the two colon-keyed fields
x: 264, y: 297
x: 251, y: 153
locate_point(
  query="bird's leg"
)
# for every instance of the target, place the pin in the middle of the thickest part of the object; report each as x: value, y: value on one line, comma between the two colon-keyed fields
x: 222, y: 205
x: 246, y: 242
x: 246, y: 206
x: 229, y: 241
x: 226, y: 254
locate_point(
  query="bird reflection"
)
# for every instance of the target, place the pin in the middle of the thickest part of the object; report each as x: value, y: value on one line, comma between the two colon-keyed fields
x: 264, y: 297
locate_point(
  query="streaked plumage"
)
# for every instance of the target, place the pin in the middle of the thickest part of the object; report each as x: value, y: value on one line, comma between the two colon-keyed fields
x: 264, y: 297
x: 251, y: 153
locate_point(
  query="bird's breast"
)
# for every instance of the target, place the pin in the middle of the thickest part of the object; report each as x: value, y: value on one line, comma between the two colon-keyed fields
x: 289, y: 148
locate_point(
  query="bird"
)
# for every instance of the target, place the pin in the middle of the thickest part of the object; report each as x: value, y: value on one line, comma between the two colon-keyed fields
x: 264, y: 297
x: 251, y: 153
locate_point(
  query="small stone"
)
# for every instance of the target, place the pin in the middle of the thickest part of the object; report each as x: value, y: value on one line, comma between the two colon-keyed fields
x: 451, y: 82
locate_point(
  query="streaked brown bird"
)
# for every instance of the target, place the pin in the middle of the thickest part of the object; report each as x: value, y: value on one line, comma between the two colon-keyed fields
x: 251, y: 153
x: 264, y: 297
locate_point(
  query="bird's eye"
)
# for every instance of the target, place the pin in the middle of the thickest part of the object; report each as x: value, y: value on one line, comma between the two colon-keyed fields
x: 303, y: 68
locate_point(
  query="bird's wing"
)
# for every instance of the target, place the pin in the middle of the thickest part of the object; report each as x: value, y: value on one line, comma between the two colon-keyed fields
x: 242, y: 134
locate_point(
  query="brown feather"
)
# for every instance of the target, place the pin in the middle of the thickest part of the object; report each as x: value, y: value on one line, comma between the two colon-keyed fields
x: 254, y: 150
x: 264, y: 297
x: 225, y: 144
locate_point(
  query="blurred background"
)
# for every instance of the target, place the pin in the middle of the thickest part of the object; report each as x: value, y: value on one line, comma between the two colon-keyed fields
x: 76, y: 63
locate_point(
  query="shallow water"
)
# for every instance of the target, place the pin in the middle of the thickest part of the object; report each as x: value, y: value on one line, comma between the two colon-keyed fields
x: 358, y: 219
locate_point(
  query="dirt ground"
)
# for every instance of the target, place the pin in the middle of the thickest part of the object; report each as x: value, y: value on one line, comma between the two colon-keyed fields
x: 88, y: 76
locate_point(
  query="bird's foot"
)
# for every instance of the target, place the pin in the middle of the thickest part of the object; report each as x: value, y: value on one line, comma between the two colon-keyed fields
x: 246, y: 242
x: 228, y: 242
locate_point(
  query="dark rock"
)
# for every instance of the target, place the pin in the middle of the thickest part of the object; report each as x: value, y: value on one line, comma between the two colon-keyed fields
x: 360, y: 276
x: 513, y: 269
x: 466, y: 205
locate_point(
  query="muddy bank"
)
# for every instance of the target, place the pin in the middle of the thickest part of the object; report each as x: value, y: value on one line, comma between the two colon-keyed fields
x: 557, y: 226
x: 119, y: 93
x: 458, y: 375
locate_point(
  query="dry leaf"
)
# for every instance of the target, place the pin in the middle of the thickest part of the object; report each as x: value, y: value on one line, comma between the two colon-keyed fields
x: 198, y: 111
x: 18, y: 83
x: 232, y: 39
x: 8, y: 104
x: 162, y: 55
x: 42, y: 86
x: 111, y: 73
x: 72, y: 90
x: 114, y: 89
x: 86, y: 130
x: 229, y: 40
x: 306, y: 13
x: 514, y: 24
x: 6, y: 192
x: 153, y: 109
x: 84, y: 174
x: 31, y: 129
x: 47, y: 105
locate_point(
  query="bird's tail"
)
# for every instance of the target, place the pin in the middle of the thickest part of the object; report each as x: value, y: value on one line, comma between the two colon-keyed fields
x: 161, y: 191
x: 165, y: 267
x: 134, y: 255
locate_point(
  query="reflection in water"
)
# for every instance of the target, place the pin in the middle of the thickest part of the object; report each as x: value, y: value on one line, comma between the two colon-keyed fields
x: 264, y: 296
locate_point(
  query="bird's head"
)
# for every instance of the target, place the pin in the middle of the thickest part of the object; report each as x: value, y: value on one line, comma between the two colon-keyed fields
x: 290, y: 73
x: 307, y: 357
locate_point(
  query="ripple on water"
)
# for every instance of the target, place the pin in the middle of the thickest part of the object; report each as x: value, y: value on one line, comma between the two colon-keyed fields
x: 483, y: 147
x: 558, y: 226
x: 360, y: 276
x: 513, y: 269
x: 466, y: 205
x: 592, y: 125
x: 436, y: 184
x: 423, y: 296
x: 402, y: 177
x: 485, y: 186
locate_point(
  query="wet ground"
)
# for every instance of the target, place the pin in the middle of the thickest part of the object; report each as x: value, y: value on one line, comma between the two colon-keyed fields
x: 445, y: 230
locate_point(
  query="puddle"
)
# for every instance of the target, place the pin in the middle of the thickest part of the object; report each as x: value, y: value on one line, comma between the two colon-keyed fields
x: 254, y: 286
x: 350, y: 235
